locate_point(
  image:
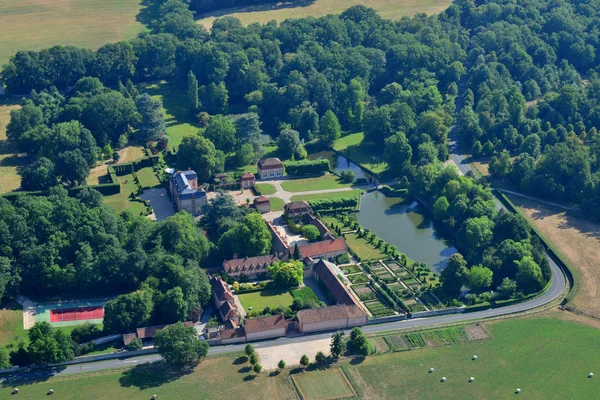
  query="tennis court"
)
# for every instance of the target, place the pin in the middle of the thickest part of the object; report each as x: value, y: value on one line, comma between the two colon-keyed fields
x: 76, y: 314
x: 69, y: 313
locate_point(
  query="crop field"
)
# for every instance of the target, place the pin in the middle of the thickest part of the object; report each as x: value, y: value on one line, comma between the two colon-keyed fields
x: 397, y: 342
x: 393, y: 9
x: 378, y: 309
x: 357, y: 278
x: 38, y: 24
x: 578, y: 241
x: 364, y: 292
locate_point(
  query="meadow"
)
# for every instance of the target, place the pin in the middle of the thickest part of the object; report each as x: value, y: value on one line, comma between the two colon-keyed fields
x: 39, y: 24
x: 9, y: 161
x: 545, y: 356
x: 263, y: 13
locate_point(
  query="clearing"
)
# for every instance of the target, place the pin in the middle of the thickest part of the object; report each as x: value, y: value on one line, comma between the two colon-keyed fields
x: 9, y: 161
x: 545, y: 356
x: 11, y: 324
x: 578, y: 240
x: 356, y: 150
x: 38, y: 24
x: 263, y: 13
x: 266, y: 298
x: 179, y: 119
x: 309, y: 184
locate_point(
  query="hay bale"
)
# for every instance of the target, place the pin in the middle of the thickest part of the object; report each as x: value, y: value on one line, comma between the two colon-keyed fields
x: 518, y: 391
x: 15, y: 391
x: 471, y: 379
x: 154, y: 397
x: 50, y: 391
x: 443, y: 379
x: 431, y: 370
x: 591, y: 375
x: 474, y: 358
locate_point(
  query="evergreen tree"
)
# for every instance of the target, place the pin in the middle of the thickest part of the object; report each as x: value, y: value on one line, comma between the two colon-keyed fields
x: 193, y: 91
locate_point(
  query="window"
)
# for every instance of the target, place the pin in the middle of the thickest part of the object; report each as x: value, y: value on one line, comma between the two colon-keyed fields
x: 272, y: 174
x: 278, y: 173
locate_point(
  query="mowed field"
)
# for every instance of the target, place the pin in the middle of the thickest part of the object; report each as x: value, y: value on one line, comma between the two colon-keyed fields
x: 545, y: 356
x: 37, y: 24
x: 578, y: 240
x: 391, y: 9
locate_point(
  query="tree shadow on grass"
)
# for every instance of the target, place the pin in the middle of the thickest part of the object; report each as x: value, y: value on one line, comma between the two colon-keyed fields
x: 357, y: 360
x: 245, y: 370
x: 147, y: 376
x: 274, y: 373
x: 30, y: 377
x: 240, y: 360
x: 249, y: 378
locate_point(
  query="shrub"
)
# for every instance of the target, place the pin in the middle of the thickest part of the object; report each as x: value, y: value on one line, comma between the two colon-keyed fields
x: 347, y: 176
x: 307, y: 167
x: 136, y: 344
x: 343, y: 259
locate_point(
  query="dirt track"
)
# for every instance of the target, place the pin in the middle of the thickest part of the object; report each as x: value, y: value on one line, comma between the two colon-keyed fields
x: 579, y: 241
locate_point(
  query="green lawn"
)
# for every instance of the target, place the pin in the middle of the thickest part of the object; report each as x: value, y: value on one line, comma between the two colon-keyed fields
x: 354, y: 148
x: 266, y: 188
x: 9, y: 161
x: 11, y: 324
x: 362, y: 248
x: 307, y: 184
x: 277, y: 204
x: 147, y: 177
x: 121, y: 201
x: 180, y: 121
x: 319, y: 385
x: 38, y: 24
x: 547, y: 358
x: 328, y: 196
x: 266, y: 298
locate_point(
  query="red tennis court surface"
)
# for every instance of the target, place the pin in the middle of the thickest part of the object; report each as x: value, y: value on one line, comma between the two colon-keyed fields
x: 76, y: 314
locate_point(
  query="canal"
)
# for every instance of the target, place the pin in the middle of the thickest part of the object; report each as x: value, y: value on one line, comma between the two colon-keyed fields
x: 403, y: 223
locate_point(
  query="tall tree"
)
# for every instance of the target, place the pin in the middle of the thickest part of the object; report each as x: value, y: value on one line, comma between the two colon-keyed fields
x: 329, y: 127
x: 179, y: 345
x: 200, y: 154
x: 193, y: 92
x: 152, y: 119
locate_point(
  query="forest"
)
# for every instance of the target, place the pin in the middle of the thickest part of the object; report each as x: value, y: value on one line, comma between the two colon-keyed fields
x: 524, y: 75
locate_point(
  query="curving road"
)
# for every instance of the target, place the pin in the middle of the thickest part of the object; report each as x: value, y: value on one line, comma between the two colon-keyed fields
x: 558, y: 284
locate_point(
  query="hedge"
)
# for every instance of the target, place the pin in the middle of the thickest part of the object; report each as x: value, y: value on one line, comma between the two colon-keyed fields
x: 129, y: 168
x: 307, y: 167
x: 332, y: 204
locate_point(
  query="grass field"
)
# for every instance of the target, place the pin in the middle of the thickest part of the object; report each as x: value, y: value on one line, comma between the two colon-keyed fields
x: 180, y: 121
x: 545, y: 356
x: 393, y: 9
x: 354, y: 148
x: 9, y: 161
x: 323, y: 385
x: 121, y: 201
x: 362, y: 248
x: 266, y: 188
x: 38, y: 24
x: 328, y: 196
x: 307, y: 184
x: 578, y: 240
x: 266, y: 298
x: 277, y: 204
x: 11, y: 324
x: 147, y: 177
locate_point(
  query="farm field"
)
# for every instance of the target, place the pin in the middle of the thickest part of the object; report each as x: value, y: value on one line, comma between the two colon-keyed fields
x: 266, y: 298
x: 318, y: 385
x: 393, y: 9
x: 328, y: 196
x: 354, y: 148
x: 579, y: 242
x: 9, y: 161
x: 545, y: 356
x: 38, y: 24
x: 309, y: 184
x: 266, y: 188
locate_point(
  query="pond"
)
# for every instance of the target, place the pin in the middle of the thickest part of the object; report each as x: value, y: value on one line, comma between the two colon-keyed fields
x: 340, y: 163
x: 403, y: 223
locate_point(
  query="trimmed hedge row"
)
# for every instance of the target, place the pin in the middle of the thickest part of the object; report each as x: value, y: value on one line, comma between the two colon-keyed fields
x: 333, y: 204
x: 129, y: 168
x: 307, y: 167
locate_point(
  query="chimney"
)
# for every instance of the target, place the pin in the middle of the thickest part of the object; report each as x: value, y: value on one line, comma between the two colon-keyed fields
x: 235, y: 256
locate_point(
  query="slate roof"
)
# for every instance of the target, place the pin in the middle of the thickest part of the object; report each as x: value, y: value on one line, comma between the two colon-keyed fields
x: 183, y: 187
x: 330, y: 313
x: 317, y: 249
x: 249, y: 263
x: 331, y: 281
x: 262, y: 324
x: 270, y: 163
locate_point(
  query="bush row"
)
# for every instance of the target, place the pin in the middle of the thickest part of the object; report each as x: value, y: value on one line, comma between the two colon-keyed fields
x: 307, y: 167
x: 333, y: 204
